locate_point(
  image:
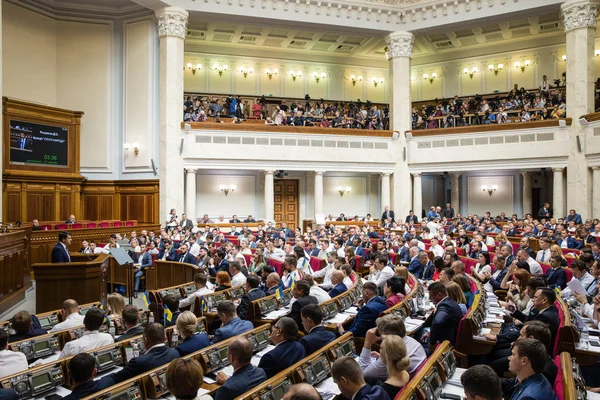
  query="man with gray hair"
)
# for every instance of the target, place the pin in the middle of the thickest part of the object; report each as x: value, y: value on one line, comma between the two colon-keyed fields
x: 287, y: 350
x: 534, y: 267
x: 415, y: 267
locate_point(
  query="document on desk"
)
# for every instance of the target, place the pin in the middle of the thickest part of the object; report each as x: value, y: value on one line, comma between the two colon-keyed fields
x: 412, y: 323
x: 256, y: 358
x: 576, y: 286
x: 352, y: 310
x: 276, y: 314
x: 339, y: 318
x: 328, y: 386
x: 592, y: 395
x: 455, y: 378
x: 45, y: 360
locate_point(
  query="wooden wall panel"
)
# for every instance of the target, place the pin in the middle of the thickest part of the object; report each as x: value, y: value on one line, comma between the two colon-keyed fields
x: 65, y: 206
x: 14, y: 267
x: 12, y: 203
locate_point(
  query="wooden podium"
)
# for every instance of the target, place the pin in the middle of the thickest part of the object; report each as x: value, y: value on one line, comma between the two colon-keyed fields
x: 82, y: 281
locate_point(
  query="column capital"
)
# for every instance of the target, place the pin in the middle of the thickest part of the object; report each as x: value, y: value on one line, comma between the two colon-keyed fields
x: 191, y: 170
x: 579, y: 14
x: 269, y: 172
x: 416, y: 174
x: 399, y: 44
x: 319, y: 172
x: 558, y: 170
x: 172, y: 21
x: 525, y: 173
x: 595, y: 168
x: 384, y: 174
x: 455, y: 174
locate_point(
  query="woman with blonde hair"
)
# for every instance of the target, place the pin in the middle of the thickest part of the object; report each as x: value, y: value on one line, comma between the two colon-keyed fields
x: 116, y: 304
x: 555, y: 250
x: 395, y: 357
x: 187, y: 326
x: 402, y: 272
x: 455, y: 293
x: 184, y: 378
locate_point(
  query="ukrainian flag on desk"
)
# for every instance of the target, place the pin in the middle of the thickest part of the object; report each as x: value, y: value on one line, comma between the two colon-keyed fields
x: 203, y: 304
x: 145, y: 298
x: 279, y: 293
x: 168, y: 314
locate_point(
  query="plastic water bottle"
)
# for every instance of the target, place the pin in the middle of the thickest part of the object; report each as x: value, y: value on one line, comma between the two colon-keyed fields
x: 151, y: 318
x: 174, y: 338
x: 136, y: 350
x: 111, y: 329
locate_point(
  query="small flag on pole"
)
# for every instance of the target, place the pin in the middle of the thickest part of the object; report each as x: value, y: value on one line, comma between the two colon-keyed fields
x: 145, y: 298
x: 279, y: 293
x: 168, y: 314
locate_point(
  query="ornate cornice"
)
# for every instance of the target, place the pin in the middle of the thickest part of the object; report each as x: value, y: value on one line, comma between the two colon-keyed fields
x: 399, y: 44
x: 172, y: 21
x: 489, y: 165
x: 577, y: 15
x: 224, y: 163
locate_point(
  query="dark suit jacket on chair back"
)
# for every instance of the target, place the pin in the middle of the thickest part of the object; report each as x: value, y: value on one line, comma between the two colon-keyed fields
x: 284, y: 355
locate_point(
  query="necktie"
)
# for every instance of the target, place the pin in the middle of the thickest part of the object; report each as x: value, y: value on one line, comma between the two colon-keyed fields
x: 543, y: 253
x: 68, y: 255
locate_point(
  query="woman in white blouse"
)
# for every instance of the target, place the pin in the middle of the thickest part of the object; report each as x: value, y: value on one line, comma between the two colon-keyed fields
x: 482, y: 270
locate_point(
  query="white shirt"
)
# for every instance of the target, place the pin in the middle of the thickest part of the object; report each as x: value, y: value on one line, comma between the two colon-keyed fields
x: 341, y: 252
x: 195, y: 249
x: 71, y: 321
x: 586, y: 280
x: 89, y: 341
x: 488, y: 286
x: 320, y: 294
x: 191, y: 299
x: 437, y: 250
x: 291, y: 277
x: 546, y: 256
x: 489, y: 241
x: 534, y: 267
x: 381, y: 277
x: 348, y: 282
x: 277, y: 254
x: 238, y: 280
x: 325, y: 273
x: 434, y: 228
x: 107, y: 246
x: 12, y: 362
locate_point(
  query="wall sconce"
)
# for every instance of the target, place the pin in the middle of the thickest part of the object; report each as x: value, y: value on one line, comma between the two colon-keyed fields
x: 430, y: 78
x: 295, y: 74
x: 355, y: 79
x: 134, y: 146
x: 527, y: 63
x: 470, y: 72
x: 342, y: 191
x: 318, y: 76
x: 491, y: 189
x: 246, y: 71
x: 220, y: 68
x: 564, y: 57
x: 597, y: 53
x: 494, y: 69
x: 271, y: 73
x: 191, y: 66
x: 376, y: 81
x: 226, y: 189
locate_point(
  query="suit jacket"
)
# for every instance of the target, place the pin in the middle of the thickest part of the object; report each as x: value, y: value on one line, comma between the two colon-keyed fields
x: 224, y: 266
x: 8, y: 394
x: 272, y: 290
x: 245, y: 302
x: 391, y: 215
x: 589, y: 239
x: 317, y: 338
x: 242, y: 380
x: 534, y: 387
x: 146, y: 260
x: 154, y: 358
x: 188, y: 258
x: 34, y: 330
x: 404, y: 254
x: 576, y: 218
x: 187, y: 224
x: 448, y: 212
x: 548, y: 316
x: 170, y: 256
x: 60, y: 254
x: 193, y: 343
x: 428, y: 271
x: 542, y: 213
x: 365, y: 319
x: 571, y: 243
x: 416, y: 268
x: 234, y: 327
x: 249, y: 220
x: 297, y: 306
x: 495, y: 282
x: 414, y: 219
x: 315, y: 252
x: 444, y: 322
x: 338, y: 289
x: 369, y: 392
x: 83, y: 390
x: 234, y: 221
x: 557, y: 278
x: 135, y: 331
x: 284, y: 355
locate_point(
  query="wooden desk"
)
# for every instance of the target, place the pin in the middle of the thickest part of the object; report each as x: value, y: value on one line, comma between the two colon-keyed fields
x: 14, y: 267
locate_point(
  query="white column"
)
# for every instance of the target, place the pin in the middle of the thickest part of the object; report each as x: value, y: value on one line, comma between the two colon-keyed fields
x: 172, y: 27
x: 399, y: 53
x: 558, y: 193
x: 527, y: 200
x: 596, y: 191
x: 269, y: 196
x: 190, y: 193
x: 319, y: 192
x: 385, y: 191
x: 579, y: 18
x: 417, y: 195
x: 455, y: 193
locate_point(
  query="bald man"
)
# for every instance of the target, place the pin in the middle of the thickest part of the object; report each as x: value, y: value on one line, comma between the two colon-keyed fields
x: 339, y: 287
x: 272, y: 283
x: 70, y: 316
x: 302, y: 391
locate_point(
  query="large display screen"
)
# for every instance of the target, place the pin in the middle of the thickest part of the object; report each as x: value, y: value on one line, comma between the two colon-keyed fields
x: 35, y: 144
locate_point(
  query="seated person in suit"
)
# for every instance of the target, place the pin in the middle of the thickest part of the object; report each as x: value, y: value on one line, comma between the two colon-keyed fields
x: 25, y: 326
x: 252, y: 293
x: 157, y: 354
x: 444, y: 321
x: 184, y: 255
x: 337, y: 280
x: 287, y: 350
x: 371, y: 306
x: 83, y: 371
x: 556, y: 276
x: 219, y: 263
x: 70, y: 316
x: 245, y: 376
x: 381, y: 271
x: 302, y: 391
x: 60, y: 252
x: 415, y: 267
x: 316, y: 291
x: 92, y: 338
x: 172, y: 302
x: 348, y: 376
x: 200, y: 282
x: 231, y: 324
x: 302, y: 295
x: 131, y: 320
x: 184, y: 378
x: 192, y: 340
x: 317, y: 336
x: 272, y: 283
x: 480, y: 382
x: 527, y: 360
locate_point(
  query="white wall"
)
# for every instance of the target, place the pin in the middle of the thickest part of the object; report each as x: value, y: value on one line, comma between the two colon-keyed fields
x: 243, y: 201
x: 354, y: 203
x: 502, y: 200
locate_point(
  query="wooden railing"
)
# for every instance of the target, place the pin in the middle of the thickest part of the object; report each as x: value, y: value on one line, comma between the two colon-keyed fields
x: 488, y: 128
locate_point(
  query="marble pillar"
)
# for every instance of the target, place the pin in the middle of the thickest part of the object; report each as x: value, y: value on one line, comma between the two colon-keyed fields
x: 579, y: 20
x: 319, y: 192
x: 558, y: 193
x: 527, y: 200
x: 596, y: 192
x: 455, y: 193
x: 417, y: 195
x: 269, y: 196
x: 399, y: 53
x: 190, y: 193
x: 172, y: 28
x: 385, y: 191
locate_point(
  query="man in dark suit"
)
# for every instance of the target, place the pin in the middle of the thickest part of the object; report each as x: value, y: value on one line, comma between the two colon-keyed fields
x: 444, y: 321
x: 350, y: 380
x: 272, y: 283
x: 587, y: 238
x: 83, y: 370
x: 8, y: 394
x: 556, y: 276
x: 157, y: 354
x: 219, y: 263
x: 131, y: 319
x: 234, y: 220
x: 60, y: 252
x: 448, y: 212
x: 25, y: 326
x: 252, y: 293
x: 337, y: 280
x: 411, y: 217
x: 168, y: 252
x: 495, y: 279
x: 415, y: 267
x: 231, y: 324
x: 573, y: 216
x: 545, y: 212
x: 185, y: 256
x: 287, y: 350
x: 245, y: 376
x: 186, y: 223
x: 249, y: 219
x: 372, y: 306
x: 35, y: 225
x: 317, y: 335
x: 388, y: 214
x: 302, y: 295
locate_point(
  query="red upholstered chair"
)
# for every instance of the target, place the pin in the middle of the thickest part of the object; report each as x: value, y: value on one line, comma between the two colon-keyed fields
x: 515, y: 247
x: 558, y: 382
x: 491, y: 249
x: 104, y: 224
x: 460, y: 251
x: 47, y: 227
x: 61, y: 226
x: 247, y: 258
x: 316, y: 263
x: 545, y: 267
x: 395, y: 258
x: 561, y: 326
x: 91, y: 225
x: 253, y: 250
x: 569, y: 273
x: 426, y: 242
x: 278, y: 265
x: 233, y: 240
x: 118, y: 224
x: 130, y: 223
x: 570, y: 260
x: 359, y: 263
x: 76, y: 226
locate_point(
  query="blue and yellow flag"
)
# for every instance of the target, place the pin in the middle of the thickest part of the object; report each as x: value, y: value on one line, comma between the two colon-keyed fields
x: 145, y: 298
x: 203, y: 304
x: 168, y: 314
x: 279, y: 293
